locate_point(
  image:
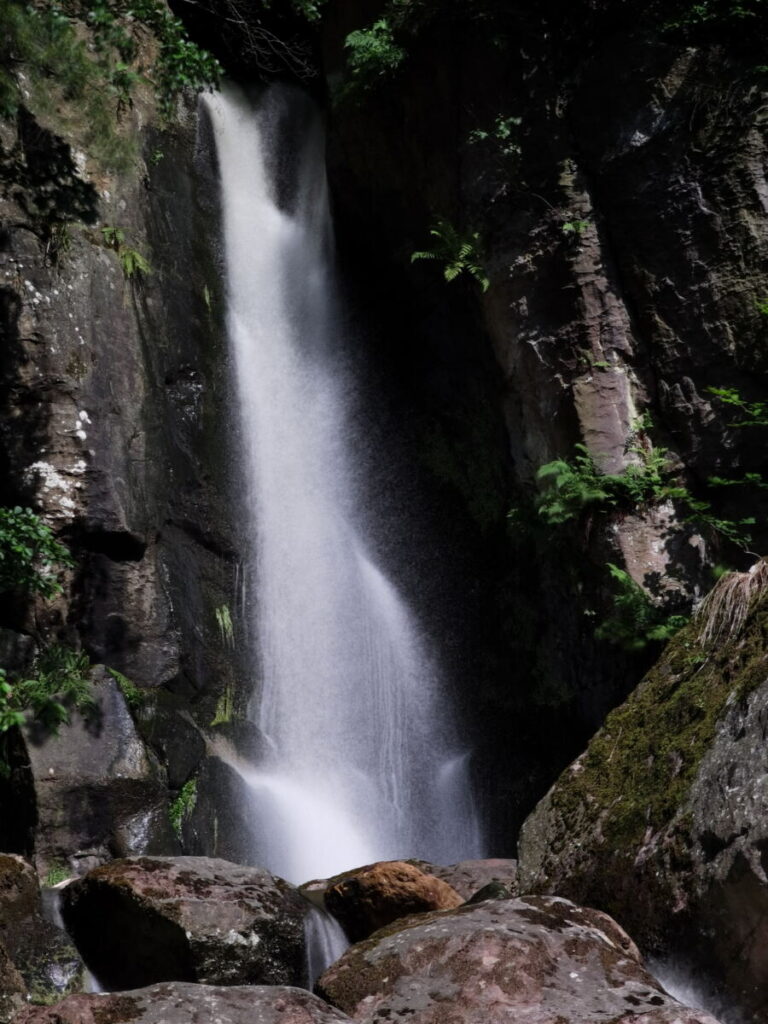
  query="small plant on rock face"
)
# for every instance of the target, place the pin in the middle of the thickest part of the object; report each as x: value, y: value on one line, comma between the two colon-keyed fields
x: 635, y: 621
x: 134, y: 696
x: 460, y: 253
x: 503, y: 133
x: 574, y: 227
x: 132, y: 262
x: 57, y: 873
x: 183, y: 805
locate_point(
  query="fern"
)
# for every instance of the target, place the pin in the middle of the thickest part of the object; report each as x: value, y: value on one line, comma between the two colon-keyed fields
x: 635, y: 620
x: 460, y: 253
x: 131, y: 260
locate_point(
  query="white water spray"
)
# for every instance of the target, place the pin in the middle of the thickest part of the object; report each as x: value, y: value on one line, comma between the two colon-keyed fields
x: 363, y: 764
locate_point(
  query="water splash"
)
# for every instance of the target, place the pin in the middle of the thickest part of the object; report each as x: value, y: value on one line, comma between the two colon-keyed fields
x: 364, y: 761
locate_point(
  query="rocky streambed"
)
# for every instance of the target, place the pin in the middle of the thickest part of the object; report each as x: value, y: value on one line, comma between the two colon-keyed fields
x: 182, y: 939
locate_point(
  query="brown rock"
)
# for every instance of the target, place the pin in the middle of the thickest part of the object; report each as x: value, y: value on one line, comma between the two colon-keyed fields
x: 180, y: 1003
x: 540, y: 959
x: 376, y: 895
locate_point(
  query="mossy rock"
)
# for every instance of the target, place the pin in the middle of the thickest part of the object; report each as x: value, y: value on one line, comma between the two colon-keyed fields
x: 661, y: 818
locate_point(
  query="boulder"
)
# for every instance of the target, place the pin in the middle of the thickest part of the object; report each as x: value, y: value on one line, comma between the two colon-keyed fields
x: 663, y: 821
x: 143, y: 920
x: 100, y: 792
x: 181, y: 1002
x: 47, y: 961
x: 13, y: 991
x: 469, y: 876
x: 371, y: 897
x: 540, y: 959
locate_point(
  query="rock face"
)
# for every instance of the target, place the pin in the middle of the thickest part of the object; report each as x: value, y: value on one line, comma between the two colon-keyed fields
x: 539, y: 959
x: 663, y: 821
x: 143, y: 920
x: 181, y: 1003
x: 625, y: 239
x: 112, y: 396
x: 371, y: 897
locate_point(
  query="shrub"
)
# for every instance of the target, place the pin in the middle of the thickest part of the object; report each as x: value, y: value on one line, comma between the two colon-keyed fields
x: 636, y: 621
x: 372, y: 55
x: 59, y: 685
x: 572, y: 487
x: 30, y: 555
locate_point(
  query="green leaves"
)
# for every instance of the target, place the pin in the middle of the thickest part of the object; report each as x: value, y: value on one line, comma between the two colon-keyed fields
x: 460, y: 253
x: 131, y: 260
x: 372, y: 55
x: 755, y: 414
x: 60, y: 685
x: 572, y: 487
x: 30, y: 556
x: 635, y: 621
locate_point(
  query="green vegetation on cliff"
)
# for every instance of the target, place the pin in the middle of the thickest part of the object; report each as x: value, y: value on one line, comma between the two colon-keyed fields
x: 93, y: 54
x: 30, y: 556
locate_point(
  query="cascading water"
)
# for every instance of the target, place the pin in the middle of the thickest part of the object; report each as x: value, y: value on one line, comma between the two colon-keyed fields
x: 360, y: 761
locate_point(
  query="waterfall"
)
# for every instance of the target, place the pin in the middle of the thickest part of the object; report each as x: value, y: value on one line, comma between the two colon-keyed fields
x: 361, y: 759
x: 325, y: 942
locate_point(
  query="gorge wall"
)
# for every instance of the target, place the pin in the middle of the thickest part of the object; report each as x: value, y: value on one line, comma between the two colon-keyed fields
x: 621, y: 209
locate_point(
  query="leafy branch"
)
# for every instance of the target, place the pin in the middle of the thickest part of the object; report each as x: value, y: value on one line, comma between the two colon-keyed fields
x: 30, y: 556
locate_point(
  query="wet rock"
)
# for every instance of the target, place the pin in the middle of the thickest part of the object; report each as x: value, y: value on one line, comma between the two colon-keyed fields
x: 469, y: 876
x: 180, y: 1003
x: 663, y: 820
x: 41, y: 952
x: 19, y: 893
x: 374, y: 896
x: 143, y: 920
x: 99, y: 790
x: 13, y: 991
x: 540, y: 959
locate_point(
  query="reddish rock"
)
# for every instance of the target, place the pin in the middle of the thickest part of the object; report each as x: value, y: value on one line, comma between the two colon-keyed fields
x: 149, y: 919
x: 374, y: 896
x: 182, y: 1003
x: 541, y: 960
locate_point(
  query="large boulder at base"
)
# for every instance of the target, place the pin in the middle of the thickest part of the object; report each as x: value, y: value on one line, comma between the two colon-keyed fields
x: 183, y: 1003
x: 148, y: 919
x: 370, y: 897
x: 42, y: 953
x: 13, y: 991
x: 541, y: 960
x: 663, y: 821
x: 470, y: 876
x: 100, y: 792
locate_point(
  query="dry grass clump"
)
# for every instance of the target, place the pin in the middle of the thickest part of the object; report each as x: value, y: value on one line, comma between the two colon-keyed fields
x: 724, y: 610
